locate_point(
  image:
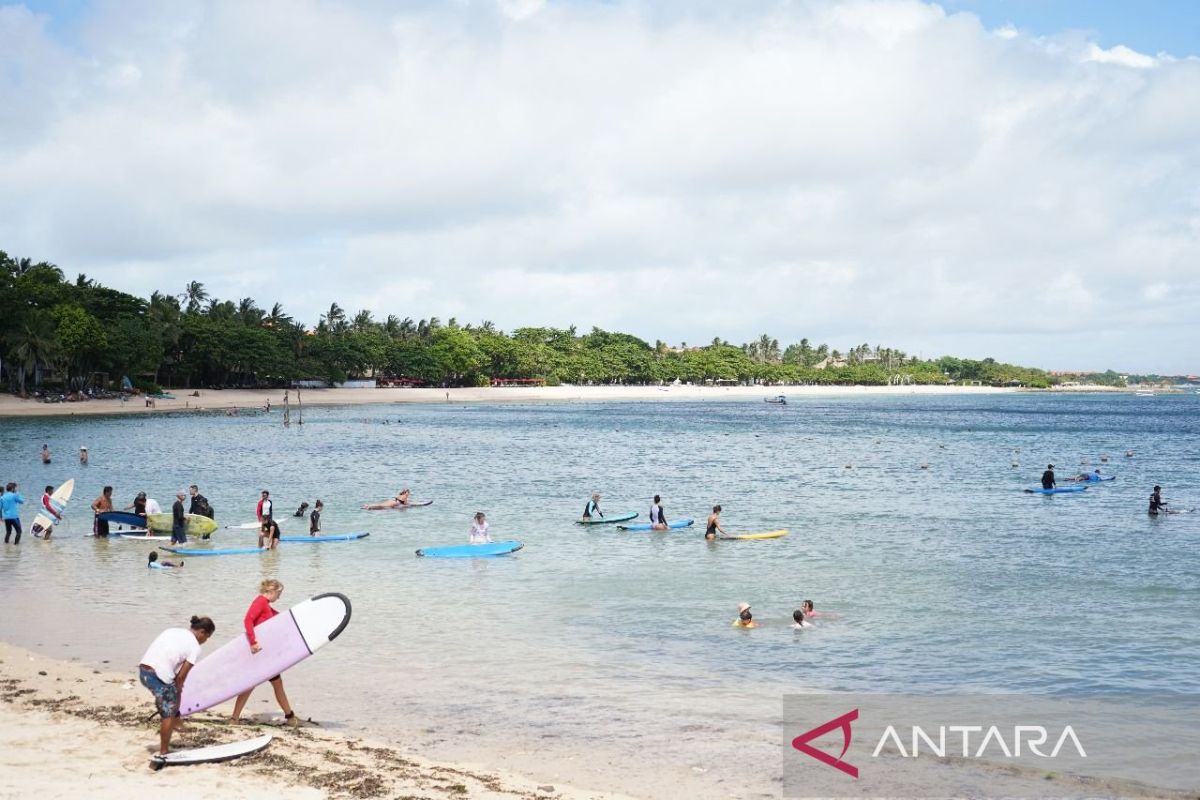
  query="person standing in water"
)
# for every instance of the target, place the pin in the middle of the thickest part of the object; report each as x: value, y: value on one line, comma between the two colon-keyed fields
x: 1048, y: 477
x: 480, y: 533
x: 165, y: 667
x: 714, y: 524
x: 268, y: 535
x: 265, y: 508
x: 9, y: 502
x: 314, y: 519
x: 178, y: 520
x: 100, y: 505
x: 45, y: 454
x: 259, y: 612
x: 1157, y: 504
x: 745, y: 619
x: 83, y: 457
x: 592, y: 507
x: 658, y: 517
x: 50, y: 510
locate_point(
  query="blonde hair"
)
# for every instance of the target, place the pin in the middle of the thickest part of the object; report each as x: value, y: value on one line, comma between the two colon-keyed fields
x: 270, y: 585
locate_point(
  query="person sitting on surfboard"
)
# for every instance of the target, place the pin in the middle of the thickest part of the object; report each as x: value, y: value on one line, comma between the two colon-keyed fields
x: 259, y: 612
x: 268, y: 532
x: 745, y: 618
x: 658, y: 517
x: 165, y: 667
x: 479, y: 530
x: 593, y: 506
x: 714, y: 524
x: 153, y: 563
x: 402, y: 499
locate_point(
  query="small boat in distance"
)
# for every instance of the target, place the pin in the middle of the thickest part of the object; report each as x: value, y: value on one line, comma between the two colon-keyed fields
x: 777, y: 400
x: 1144, y: 394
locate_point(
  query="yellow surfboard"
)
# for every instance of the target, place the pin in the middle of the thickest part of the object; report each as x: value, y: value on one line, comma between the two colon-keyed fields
x: 196, y: 525
x: 767, y: 535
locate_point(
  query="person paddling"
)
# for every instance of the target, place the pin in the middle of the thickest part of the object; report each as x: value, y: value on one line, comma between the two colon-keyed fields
x: 1048, y: 477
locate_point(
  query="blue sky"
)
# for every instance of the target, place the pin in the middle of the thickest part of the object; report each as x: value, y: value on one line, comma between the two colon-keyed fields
x: 1149, y: 26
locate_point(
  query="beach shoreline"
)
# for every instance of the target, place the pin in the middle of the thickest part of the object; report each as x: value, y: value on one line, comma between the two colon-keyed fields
x: 227, y: 400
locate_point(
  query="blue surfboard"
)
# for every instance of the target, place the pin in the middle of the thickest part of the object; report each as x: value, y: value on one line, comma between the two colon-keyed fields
x: 645, y: 526
x: 471, y: 550
x: 226, y: 551
x: 320, y: 537
x: 122, y: 518
x: 1057, y: 490
x: 608, y: 520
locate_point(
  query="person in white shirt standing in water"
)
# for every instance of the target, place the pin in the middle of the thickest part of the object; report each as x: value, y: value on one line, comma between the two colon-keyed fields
x: 165, y: 667
x: 479, y: 530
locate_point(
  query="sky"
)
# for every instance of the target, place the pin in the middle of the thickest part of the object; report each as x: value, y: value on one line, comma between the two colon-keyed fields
x: 1016, y: 179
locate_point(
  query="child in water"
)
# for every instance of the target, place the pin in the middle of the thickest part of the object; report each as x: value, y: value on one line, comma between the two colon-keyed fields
x: 745, y: 618
x: 479, y: 530
x: 798, y: 620
x: 154, y: 563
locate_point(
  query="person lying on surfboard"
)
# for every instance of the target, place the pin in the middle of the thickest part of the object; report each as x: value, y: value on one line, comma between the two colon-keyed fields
x: 402, y: 499
x: 152, y: 562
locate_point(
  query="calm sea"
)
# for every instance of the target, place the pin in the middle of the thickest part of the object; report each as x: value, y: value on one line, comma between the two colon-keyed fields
x: 604, y: 656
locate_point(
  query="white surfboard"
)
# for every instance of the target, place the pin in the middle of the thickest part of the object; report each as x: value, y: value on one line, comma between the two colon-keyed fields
x: 211, y: 754
x: 42, y: 524
x: 245, y: 526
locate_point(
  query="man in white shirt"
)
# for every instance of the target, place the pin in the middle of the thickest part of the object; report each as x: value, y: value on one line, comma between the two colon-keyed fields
x: 165, y: 667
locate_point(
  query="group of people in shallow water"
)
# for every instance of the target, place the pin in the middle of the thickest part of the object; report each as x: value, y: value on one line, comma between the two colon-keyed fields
x: 658, y: 517
x: 164, y: 668
x: 1157, y: 504
x: 802, y: 617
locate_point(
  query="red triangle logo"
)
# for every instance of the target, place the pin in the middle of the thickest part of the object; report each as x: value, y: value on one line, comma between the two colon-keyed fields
x: 801, y: 743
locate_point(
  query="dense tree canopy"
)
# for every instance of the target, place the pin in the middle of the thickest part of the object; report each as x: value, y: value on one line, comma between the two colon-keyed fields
x: 79, y: 333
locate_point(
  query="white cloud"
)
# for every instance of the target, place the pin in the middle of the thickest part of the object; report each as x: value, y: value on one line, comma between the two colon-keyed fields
x: 1122, y: 55
x: 859, y: 171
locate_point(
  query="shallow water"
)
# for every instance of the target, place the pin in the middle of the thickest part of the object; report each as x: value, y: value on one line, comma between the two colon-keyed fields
x: 610, y: 655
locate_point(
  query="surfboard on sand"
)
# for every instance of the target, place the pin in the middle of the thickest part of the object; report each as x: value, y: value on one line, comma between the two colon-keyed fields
x: 287, y: 639
x: 211, y: 754
x: 43, y: 525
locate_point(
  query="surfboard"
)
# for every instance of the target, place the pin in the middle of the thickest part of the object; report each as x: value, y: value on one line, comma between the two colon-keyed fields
x: 212, y: 753
x: 140, y: 537
x: 287, y: 639
x: 220, y: 551
x: 1057, y: 490
x: 766, y: 535
x: 122, y: 518
x: 607, y: 520
x: 43, y: 524
x: 421, y: 504
x: 321, y: 537
x: 471, y: 550
x: 645, y: 526
x: 245, y: 526
x: 194, y: 524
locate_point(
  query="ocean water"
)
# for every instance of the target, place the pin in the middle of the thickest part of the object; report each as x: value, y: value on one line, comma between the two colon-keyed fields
x: 607, y: 657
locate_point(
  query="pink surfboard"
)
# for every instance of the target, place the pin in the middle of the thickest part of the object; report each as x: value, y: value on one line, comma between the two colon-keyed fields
x: 287, y: 639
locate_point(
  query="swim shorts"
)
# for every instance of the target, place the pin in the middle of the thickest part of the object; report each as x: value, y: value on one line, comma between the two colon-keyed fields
x: 166, y: 696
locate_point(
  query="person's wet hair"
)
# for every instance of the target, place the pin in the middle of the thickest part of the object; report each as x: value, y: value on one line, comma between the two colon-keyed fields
x: 798, y: 615
x: 745, y: 616
x: 204, y: 624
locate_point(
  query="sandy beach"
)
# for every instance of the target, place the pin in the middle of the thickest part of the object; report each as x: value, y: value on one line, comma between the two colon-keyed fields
x: 227, y: 399
x: 68, y: 731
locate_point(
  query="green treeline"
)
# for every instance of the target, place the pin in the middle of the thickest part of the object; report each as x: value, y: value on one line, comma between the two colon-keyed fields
x: 66, y: 332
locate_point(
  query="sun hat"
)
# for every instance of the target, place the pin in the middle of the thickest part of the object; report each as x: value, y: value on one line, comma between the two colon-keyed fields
x: 82, y: 447
x: 743, y: 607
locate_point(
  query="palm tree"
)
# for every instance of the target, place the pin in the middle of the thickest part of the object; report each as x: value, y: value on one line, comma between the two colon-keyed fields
x: 334, y: 320
x: 363, y: 321
x: 33, y: 346
x: 408, y: 329
x: 391, y: 326
x: 249, y: 313
x: 487, y: 326
x: 277, y: 318
x: 195, y: 295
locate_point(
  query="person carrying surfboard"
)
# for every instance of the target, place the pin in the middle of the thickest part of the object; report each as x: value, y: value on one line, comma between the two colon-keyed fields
x: 164, y: 668
x: 269, y: 591
x: 48, y: 507
x: 592, y: 507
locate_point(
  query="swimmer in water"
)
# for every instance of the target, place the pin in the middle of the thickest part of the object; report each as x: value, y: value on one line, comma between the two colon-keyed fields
x: 812, y: 613
x: 714, y: 525
x: 401, y: 500
x: 153, y: 562
x: 745, y: 618
x: 798, y: 620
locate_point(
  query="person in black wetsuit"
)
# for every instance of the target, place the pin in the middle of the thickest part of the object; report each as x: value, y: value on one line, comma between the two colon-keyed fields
x: 714, y: 524
x: 1048, y: 477
x: 592, y: 507
x: 1157, y: 504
